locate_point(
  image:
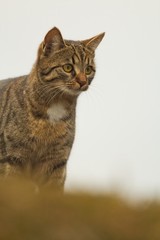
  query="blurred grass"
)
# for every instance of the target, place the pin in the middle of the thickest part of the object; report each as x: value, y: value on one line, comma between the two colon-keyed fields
x: 49, y: 215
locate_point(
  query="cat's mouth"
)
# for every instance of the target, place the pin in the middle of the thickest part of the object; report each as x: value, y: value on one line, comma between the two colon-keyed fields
x: 77, y: 87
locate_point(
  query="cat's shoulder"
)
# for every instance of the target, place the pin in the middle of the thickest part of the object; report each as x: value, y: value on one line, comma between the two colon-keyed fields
x: 6, y: 82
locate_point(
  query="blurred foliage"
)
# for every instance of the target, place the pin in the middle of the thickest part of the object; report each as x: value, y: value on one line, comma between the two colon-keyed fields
x: 46, y: 215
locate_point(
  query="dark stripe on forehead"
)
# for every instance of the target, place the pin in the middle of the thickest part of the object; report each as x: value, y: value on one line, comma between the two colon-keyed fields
x: 79, y: 53
x: 76, y: 55
x: 87, y: 60
x: 73, y: 60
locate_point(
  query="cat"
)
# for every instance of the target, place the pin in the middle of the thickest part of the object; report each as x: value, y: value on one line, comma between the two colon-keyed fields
x: 37, y: 111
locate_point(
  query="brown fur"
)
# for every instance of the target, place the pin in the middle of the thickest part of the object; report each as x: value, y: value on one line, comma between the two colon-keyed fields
x: 37, y: 111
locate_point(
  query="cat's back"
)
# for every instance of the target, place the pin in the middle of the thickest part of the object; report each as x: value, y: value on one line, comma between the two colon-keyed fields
x: 15, y: 84
x: 4, y: 96
x: 4, y: 83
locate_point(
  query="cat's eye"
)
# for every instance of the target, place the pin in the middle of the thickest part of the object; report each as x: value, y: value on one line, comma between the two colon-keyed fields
x: 88, y: 70
x: 68, y: 68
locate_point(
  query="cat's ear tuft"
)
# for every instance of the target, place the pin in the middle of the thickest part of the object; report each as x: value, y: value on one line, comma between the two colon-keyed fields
x: 93, y: 42
x: 53, y: 41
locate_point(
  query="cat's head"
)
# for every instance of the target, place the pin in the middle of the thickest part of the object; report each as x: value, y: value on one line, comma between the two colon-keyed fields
x: 67, y: 66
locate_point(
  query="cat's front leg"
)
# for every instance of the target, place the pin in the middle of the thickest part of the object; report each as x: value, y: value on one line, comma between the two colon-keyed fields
x: 51, y: 174
x: 9, y: 170
x: 57, y: 178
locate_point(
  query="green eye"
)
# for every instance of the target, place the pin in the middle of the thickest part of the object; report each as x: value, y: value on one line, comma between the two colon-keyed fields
x: 88, y: 70
x: 68, y: 68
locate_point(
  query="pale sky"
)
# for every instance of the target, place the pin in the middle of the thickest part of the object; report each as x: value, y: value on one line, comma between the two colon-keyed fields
x: 117, y: 144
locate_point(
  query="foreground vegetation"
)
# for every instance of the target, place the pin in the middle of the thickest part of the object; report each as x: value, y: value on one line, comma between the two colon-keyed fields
x: 49, y: 215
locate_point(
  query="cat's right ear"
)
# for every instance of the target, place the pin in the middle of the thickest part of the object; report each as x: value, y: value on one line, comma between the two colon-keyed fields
x: 93, y: 42
x: 53, y: 41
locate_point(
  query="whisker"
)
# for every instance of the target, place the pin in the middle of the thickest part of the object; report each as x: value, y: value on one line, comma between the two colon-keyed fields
x: 53, y: 96
x: 50, y: 98
x: 45, y: 90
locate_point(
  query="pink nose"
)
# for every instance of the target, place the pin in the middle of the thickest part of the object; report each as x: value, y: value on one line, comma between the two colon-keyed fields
x: 81, y: 79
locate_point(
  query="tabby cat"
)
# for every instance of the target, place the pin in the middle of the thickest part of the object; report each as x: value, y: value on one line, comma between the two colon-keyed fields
x: 37, y: 111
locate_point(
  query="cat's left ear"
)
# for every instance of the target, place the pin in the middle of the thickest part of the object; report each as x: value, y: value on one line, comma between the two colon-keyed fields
x: 53, y: 41
x: 93, y: 42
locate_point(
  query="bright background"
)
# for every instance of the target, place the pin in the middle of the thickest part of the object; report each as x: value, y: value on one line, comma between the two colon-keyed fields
x: 117, y: 145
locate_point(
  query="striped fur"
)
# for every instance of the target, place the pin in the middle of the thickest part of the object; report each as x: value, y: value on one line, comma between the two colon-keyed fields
x: 37, y: 111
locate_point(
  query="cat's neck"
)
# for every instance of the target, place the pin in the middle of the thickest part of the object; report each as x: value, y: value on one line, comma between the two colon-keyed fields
x: 59, y: 107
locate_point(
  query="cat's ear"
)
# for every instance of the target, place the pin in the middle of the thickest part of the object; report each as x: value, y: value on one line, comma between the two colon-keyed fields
x: 53, y: 41
x: 93, y: 42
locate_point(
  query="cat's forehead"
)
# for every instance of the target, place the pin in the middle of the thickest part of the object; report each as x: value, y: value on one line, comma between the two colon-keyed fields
x: 79, y: 50
x: 75, y: 52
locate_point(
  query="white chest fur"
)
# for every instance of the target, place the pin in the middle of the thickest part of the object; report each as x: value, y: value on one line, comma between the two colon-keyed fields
x: 56, y: 112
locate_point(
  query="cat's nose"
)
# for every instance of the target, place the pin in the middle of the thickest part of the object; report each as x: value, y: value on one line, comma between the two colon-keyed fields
x: 81, y: 79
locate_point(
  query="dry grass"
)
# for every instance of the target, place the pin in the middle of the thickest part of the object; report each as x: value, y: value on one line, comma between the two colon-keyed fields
x: 25, y: 215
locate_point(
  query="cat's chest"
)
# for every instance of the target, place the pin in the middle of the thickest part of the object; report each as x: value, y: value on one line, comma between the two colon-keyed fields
x: 59, y: 125
x: 56, y: 112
